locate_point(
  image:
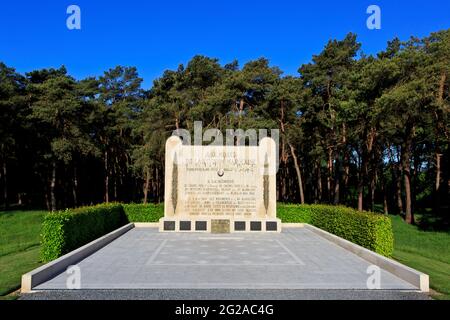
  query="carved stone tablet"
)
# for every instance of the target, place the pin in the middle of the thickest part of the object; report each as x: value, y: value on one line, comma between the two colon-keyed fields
x: 214, y: 183
x: 220, y: 226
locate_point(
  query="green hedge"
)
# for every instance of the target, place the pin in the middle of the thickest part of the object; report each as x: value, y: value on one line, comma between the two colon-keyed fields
x: 144, y: 212
x: 64, y: 231
x: 370, y: 230
x: 294, y: 213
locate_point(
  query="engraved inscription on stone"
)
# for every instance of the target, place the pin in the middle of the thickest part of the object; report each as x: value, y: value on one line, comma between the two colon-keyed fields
x: 239, y: 225
x: 200, y: 225
x: 169, y: 225
x: 219, y: 183
x: 220, y: 226
x: 185, y: 225
x: 255, y: 226
x: 271, y: 226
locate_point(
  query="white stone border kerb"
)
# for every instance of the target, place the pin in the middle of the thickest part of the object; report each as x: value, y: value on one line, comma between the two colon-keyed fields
x: 53, y: 268
x: 416, y: 278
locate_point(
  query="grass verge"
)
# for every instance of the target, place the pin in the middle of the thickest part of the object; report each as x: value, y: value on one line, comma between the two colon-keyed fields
x: 426, y: 251
x: 19, y: 246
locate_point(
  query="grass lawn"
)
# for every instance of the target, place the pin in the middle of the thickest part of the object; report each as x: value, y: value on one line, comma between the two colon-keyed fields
x: 426, y: 251
x: 19, y: 246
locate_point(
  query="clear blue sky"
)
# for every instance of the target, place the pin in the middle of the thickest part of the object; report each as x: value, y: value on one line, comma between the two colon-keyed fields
x: 155, y: 36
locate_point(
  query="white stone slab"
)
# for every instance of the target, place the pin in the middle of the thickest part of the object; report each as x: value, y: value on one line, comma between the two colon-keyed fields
x: 230, y: 183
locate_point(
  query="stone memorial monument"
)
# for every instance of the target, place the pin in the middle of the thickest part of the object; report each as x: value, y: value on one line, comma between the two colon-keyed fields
x: 220, y: 189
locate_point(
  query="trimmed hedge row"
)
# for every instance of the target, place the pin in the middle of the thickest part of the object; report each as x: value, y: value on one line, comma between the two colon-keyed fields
x: 64, y: 231
x: 144, y: 212
x: 369, y: 230
x: 294, y: 213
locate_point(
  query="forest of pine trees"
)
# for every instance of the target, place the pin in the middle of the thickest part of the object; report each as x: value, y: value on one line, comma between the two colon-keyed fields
x: 371, y: 132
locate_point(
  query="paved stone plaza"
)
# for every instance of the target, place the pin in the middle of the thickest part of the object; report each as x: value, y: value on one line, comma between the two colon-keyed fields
x: 294, y: 259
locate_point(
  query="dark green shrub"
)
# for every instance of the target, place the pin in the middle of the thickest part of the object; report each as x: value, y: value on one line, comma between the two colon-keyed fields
x: 64, y: 231
x: 370, y: 230
x: 144, y: 212
x: 294, y: 213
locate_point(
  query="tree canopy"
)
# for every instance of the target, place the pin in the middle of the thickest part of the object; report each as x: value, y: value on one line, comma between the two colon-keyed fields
x: 365, y: 131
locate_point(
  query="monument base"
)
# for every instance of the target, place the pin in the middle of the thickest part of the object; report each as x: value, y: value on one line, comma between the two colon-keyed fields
x: 219, y: 224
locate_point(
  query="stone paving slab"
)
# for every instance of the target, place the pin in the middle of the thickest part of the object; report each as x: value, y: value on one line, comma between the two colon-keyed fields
x: 296, y: 258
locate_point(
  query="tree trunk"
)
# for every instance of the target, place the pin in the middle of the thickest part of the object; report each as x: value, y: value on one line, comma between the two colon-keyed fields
x: 360, y: 194
x: 396, y: 168
x: 241, y: 107
x: 437, y: 184
x: 158, y: 185
x: 372, y: 194
x: 330, y: 173
x: 118, y: 181
x: 367, y: 155
x: 5, y: 185
x: 52, y: 187
x: 283, y: 187
x: 439, y: 125
x: 340, y: 161
x: 372, y: 185
x: 442, y: 87
x: 414, y: 179
x: 299, y: 174
x: 346, y: 176
x: 337, y: 179
x: 446, y: 177
x: 75, y: 186
x: 398, y: 187
x: 115, y: 188
x: 407, y: 176
x: 438, y: 172
x: 360, y: 188
x: 147, y: 184
x: 114, y: 175
x: 319, y: 183
x: 47, y: 202
x: 153, y: 183
x: 106, y: 178
x: 409, y: 217
x: 385, y: 201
